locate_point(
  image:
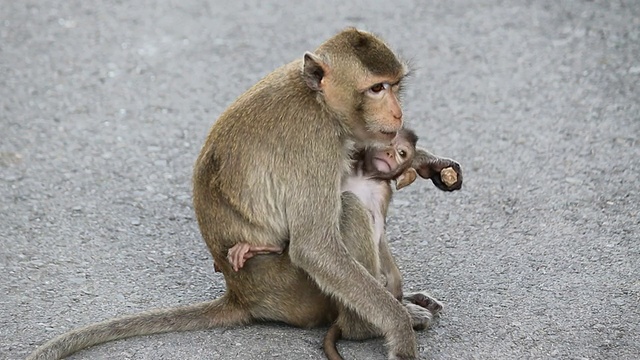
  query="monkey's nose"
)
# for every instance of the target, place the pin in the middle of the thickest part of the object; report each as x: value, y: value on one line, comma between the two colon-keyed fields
x: 398, y: 123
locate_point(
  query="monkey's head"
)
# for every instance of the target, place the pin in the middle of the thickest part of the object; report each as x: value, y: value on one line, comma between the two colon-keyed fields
x: 392, y: 162
x: 357, y: 77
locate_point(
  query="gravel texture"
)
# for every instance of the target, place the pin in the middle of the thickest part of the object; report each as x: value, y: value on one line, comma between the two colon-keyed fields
x: 105, y: 104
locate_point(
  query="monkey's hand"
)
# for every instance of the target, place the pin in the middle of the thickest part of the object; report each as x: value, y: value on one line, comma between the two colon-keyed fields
x: 240, y: 253
x: 432, y: 169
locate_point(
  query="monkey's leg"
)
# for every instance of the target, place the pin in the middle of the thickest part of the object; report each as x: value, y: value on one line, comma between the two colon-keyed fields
x: 421, y: 305
x: 349, y: 324
x: 352, y: 326
x: 361, y: 247
x: 389, y: 269
x: 366, y: 253
x: 374, y: 260
x: 273, y: 289
x: 378, y: 261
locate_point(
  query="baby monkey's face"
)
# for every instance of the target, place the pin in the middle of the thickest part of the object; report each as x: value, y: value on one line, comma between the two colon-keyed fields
x: 389, y: 162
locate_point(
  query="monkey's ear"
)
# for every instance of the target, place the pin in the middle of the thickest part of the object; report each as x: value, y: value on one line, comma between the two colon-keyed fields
x: 406, y: 178
x: 313, y: 70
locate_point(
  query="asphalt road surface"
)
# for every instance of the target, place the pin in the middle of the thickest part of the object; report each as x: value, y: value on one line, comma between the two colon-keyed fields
x: 104, y: 106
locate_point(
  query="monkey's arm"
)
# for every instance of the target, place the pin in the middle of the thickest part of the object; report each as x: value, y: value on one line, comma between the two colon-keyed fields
x: 429, y: 166
x: 389, y: 269
x: 318, y: 247
x: 241, y: 252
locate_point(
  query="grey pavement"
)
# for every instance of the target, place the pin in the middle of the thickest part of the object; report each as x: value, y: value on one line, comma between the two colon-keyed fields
x: 105, y: 104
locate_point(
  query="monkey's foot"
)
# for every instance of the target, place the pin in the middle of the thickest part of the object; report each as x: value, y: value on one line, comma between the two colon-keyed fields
x: 425, y: 300
x: 421, y: 317
x: 241, y: 252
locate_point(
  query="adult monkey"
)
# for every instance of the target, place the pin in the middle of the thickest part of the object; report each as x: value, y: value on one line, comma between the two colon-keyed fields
x: 270, y: 171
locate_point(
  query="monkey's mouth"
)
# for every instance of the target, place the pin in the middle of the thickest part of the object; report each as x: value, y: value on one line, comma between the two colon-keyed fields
x: 381, y: 165
x: 390, y: 134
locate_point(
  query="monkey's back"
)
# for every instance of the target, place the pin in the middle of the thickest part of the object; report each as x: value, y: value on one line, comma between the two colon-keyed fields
x: 228, y: 171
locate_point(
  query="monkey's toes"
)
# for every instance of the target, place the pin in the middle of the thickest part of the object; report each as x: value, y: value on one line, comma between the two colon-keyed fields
x: 421, y: 317
x: 426, y: 301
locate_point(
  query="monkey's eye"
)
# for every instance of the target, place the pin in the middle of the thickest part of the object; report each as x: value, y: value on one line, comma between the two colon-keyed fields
x: 379, y: 87
x: 402, y: 153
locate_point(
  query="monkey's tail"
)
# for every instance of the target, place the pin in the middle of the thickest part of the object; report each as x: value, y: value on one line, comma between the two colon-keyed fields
x: 329, y: 344
x: 205, y: 315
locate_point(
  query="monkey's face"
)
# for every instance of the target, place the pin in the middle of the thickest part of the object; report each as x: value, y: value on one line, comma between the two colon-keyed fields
x: 359, y: 76
x: 381, y: 109
x: 389, y: 162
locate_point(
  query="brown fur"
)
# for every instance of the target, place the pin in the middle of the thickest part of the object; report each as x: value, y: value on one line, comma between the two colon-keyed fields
x: 421, y: 305
x: 269, y: 174
x: 270, y: 171
x: 293, y: 179
x: 400, y: 155
x: 368, y: 179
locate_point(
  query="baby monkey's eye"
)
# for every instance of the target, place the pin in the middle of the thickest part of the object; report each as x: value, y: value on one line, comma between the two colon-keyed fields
x: 402, y: 153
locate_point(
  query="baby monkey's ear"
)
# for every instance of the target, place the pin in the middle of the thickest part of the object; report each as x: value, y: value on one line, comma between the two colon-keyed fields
x: 406, y: 178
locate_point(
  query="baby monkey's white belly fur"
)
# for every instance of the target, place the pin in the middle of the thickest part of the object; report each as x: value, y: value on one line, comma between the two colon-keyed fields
x: 373, y: 194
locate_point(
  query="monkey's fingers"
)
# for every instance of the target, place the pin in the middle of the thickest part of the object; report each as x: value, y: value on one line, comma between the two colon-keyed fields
x: 233, y: 260
x: 452, y: 173
x: 406, y: 178
x: 244, y: 258
x: 267, y: 249
x: 236, y: 254
x: 242, y: 255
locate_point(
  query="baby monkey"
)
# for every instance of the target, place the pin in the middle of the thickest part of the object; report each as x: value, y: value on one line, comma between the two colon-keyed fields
x: 373, y: 169
x: 370, y: 180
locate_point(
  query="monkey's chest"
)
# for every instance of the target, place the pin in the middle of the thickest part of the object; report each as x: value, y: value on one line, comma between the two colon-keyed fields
x: 374, y: 196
